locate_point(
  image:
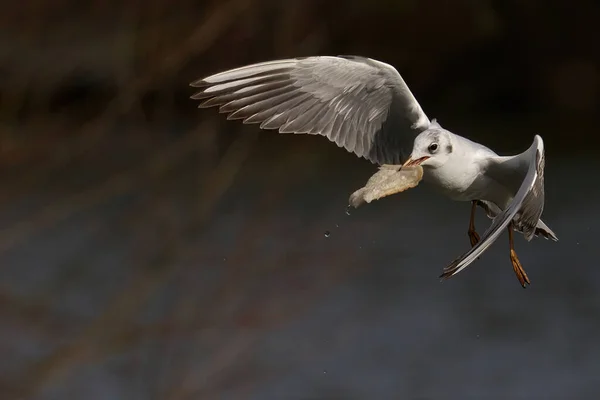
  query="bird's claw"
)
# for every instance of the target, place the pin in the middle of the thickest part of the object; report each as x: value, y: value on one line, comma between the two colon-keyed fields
x: 518, y: 268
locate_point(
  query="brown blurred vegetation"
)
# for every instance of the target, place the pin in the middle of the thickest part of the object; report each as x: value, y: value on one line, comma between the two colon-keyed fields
x: 94, y: 105
x: 68, y: 63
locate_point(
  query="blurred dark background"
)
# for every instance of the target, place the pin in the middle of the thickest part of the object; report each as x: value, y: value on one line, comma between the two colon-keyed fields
x: 151, y: 250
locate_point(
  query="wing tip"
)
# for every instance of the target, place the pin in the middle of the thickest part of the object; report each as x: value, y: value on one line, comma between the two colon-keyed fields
x: 246, y: 71
x: 444, y: 276
x: 450, y: 270
x: 199, y: 83
x: 199, y: 95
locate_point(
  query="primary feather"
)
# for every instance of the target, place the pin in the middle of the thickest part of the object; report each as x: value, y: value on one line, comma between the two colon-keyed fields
x: 358, y: 103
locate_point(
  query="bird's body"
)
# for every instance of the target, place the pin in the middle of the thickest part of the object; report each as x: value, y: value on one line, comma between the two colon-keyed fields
x: 460, y: 178
x: 365, y: 106
x: 477, y: 173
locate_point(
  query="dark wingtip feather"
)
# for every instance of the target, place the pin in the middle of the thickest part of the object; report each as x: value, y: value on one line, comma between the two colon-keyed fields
x: 444, y: 276
x: 233, y: 116
x: 211, y: 102
x: 199, y: 95
x: 199, y: 83
x: 448, y: 271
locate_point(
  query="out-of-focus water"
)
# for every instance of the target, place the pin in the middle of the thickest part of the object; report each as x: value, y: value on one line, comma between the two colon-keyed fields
x: 276, y: 308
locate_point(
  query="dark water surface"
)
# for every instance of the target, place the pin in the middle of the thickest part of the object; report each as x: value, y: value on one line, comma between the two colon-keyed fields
x: 264, y: 306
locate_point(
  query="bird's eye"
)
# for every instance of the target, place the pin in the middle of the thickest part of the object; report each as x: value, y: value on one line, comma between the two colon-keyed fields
x: 433, y: 147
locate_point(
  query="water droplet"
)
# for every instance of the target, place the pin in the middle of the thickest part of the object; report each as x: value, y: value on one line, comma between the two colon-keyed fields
x: 224, y: 258
x: 327, y: 234
x: 325, y: 372
x: 337, y: 226
x: 348, y: 210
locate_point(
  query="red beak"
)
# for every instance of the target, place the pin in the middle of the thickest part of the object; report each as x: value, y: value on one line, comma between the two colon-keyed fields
x: 410, y: 162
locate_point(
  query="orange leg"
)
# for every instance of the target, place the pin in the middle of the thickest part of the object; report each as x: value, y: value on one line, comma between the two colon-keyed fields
x: 517, y: 267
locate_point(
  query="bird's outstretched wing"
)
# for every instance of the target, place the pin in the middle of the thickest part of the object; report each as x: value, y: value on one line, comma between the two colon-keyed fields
x: 359, y: 103
x: 526, y: 206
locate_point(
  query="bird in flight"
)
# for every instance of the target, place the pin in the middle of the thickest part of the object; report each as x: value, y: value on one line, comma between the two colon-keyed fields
x: 364, y: 106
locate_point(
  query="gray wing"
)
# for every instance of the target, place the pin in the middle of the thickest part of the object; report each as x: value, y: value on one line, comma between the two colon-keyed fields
x: 358, y: 103
x: 526, y: 208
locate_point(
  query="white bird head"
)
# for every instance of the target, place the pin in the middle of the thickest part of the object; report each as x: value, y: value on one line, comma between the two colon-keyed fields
x: 431, y: 148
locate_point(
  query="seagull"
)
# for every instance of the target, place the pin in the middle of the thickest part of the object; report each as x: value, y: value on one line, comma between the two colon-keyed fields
x: 365, y: 106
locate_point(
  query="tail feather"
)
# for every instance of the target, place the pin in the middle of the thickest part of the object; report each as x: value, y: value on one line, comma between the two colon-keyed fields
x: 541, y: 229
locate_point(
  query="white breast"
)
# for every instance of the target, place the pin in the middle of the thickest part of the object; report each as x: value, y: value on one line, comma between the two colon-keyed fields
x: 455, y: 178
x: 461, y: 179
